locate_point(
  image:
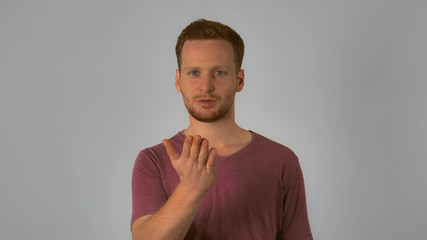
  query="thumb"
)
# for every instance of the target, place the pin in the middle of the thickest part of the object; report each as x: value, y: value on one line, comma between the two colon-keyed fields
x: 170, y: 149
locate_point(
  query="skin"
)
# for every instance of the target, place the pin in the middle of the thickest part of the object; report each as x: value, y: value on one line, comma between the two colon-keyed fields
x: 206, y: 56
x: 207, y: 73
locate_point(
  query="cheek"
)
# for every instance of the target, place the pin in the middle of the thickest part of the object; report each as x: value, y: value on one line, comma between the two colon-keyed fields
x: 183, y: 87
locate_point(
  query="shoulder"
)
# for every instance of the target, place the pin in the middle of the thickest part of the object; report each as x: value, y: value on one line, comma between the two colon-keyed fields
x: 267, y: 145
x: 152, y: 153
x: 283, y: 156
x: 157, y: 153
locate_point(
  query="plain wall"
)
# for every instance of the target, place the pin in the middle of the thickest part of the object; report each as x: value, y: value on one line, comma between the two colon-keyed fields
x: 87, y: 84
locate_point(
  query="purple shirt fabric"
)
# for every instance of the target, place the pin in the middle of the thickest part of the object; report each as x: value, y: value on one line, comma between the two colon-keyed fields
x: 258, y: 194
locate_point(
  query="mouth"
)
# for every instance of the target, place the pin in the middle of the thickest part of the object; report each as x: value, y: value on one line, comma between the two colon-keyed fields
x: 206, y: 103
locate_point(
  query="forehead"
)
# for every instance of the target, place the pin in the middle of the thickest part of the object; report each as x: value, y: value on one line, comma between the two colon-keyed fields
x: 200, y: 43
x: 206, y: 50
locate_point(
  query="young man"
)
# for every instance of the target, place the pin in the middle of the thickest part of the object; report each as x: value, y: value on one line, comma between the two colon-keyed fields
x: 216, y: 180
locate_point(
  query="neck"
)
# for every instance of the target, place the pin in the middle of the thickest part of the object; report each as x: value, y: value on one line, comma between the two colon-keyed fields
x: 220, y: 134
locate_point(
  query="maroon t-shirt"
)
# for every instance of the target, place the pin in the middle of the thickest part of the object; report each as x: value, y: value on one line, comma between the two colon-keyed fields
x: 258, y: 194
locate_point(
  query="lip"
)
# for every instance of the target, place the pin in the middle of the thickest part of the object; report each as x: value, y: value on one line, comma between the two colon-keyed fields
x: 206, y: 102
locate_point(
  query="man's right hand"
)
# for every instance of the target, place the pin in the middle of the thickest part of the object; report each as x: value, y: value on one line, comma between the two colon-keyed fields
x: 196, y: 169
x: 195, y: 166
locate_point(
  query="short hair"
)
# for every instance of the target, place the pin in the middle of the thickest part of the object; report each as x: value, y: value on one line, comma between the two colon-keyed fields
x: 203, y: 29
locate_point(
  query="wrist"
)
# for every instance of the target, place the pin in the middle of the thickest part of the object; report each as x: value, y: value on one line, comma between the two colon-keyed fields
x: 187, y: 194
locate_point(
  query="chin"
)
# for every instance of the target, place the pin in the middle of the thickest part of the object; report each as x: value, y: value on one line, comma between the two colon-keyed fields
x: 209, y: 118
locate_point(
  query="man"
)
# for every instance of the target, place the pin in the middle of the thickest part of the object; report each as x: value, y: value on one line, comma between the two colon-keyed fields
x: 216, y: 180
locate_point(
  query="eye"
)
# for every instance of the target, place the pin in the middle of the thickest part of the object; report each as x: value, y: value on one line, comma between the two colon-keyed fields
x: 194, y: 73
x: 220, y: 73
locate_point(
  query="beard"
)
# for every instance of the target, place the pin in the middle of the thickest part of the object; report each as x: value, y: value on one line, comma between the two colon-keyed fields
x: 209, y: 115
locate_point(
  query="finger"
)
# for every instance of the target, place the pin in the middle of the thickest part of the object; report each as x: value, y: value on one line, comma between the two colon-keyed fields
x: 204, y: 151
x: 195, y: 148
x: 185, y: 154
x: 211, y: 163
x: 170, y: 149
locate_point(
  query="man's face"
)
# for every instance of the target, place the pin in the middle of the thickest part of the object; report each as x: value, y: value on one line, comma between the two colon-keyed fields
x: 208, y: 80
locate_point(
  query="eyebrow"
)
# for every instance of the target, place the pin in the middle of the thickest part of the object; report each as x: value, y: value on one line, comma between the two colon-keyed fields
x: 198, y: 68
x: 219, y: 67
x: 190, y: 68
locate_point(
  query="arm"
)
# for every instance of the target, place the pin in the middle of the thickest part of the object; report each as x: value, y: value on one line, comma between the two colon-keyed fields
x: 295, y: 224
x: 197, y: 172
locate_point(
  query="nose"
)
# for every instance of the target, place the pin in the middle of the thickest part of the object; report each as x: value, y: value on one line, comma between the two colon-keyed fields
x: 207, y: 83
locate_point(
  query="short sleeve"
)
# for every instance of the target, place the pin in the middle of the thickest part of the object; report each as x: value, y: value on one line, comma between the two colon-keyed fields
x: 148, y: 193
x: 295, y: 224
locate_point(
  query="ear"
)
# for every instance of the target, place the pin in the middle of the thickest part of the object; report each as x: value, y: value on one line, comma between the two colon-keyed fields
x: 240, y: 80
x: 177, y: 78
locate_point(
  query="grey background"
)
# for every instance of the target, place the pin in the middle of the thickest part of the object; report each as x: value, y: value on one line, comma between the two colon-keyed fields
x: 86, y: 84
